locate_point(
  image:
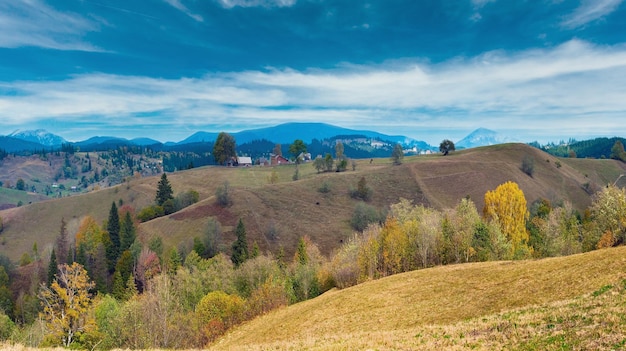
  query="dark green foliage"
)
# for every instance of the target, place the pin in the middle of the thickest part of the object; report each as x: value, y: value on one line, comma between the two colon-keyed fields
x: 297, y: 148
x: 328, y: 162
x: 156, y: 245
x: 6, y: 301
x: 20, y: 185
x: 224, y: 148
x: 53, y: 268
x: 481, y: 242
x: 222, y: 193
x: 617, y: 151
x: 528, y: 165
x: 150, y: 212
x: 362, y: 191
x: 199, y: 247
x: 127, y: 232
x: 593, y: 148
x: 125, y: 265
x: 164, y: 191
x: 113, y: 228
x: 301, y: 255
x: 62, y: 243
x: 397, y: 154
x: 240, y: 246
x: 342, y: 164
x: 446, y: 147
x: 365, y: 215
x: 169, y: 207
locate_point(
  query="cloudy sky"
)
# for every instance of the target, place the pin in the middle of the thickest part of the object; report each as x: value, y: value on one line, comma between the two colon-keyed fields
x: 429, y: 69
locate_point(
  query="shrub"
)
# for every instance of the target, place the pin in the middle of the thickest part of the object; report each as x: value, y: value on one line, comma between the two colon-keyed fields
x: 218, y: 307
x: 362, y: 191
x: 364, y: 215
x: 150, y: 212
x: 223, y: 195
x: 324, y: 189
x: 528, y: 165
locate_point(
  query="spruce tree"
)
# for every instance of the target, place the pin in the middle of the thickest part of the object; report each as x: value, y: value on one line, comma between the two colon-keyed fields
x: 127, y: 232
x: 164, y: 191
x: 52, y: 267
x: 240, y: 246
x: 113, y: 227
x: 62, y: 243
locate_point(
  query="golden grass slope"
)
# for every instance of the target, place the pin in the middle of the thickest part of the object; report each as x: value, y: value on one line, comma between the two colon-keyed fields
x: 574, y: 302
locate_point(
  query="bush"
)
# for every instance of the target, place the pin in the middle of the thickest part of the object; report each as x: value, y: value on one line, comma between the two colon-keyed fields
x: 6, y: 326
x: 362, y: 191
x: 150, y: 212
x: 223, y: 195
x: 220, y: 308
x: 528, y: 165
x: 364, y: 215
x: 324, y: 189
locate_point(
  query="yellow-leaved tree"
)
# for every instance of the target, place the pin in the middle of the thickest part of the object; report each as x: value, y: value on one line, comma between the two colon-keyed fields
x: 506, y: 206
x: 65, y: 305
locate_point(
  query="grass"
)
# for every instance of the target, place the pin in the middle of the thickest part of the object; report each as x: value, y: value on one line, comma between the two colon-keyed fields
x: 574, y: 302
x: 298, y: 208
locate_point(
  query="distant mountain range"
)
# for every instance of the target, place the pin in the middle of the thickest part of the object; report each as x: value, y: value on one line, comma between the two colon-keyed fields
x: 282, y: 134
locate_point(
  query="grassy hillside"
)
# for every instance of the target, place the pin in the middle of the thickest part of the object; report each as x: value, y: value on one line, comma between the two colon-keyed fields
x: 278, y: 214
x: 574, y: 302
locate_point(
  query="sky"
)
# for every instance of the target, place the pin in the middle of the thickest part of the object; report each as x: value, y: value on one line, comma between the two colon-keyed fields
x: 533, y: 70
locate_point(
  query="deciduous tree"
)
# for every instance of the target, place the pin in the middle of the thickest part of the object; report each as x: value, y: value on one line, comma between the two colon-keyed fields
x: 65, y: 305
x: 224, y: 148
x: 506, y: 205
x: 397, y: 154
x: 446, y: 146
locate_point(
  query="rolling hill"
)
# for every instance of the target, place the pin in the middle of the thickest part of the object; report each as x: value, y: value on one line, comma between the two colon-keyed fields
x: 573, y: 302
x: 279, y: 214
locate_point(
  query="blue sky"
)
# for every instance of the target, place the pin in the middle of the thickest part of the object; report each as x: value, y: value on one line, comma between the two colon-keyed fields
x: 534, y: 70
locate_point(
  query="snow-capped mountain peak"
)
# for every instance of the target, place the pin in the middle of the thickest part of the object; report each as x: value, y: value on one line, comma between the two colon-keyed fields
x: 484, y: 137
x: 40, y: 136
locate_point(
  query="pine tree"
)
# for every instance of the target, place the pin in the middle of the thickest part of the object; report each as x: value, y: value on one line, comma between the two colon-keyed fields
x: 127, y: 232
x: 62, y: 245
x: 302, y: 257
x: 113, y: 227
x: 164, y: 191
x: 52, y: 267
x: 240, y: 246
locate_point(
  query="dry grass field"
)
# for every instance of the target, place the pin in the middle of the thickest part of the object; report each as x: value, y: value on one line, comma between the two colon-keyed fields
x: 567, y: 303
x: 279, y: 214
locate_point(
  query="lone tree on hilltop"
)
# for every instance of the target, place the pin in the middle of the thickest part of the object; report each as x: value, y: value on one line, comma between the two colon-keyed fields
x: 224, y: 148
x: 446, y: 146
x: 164, y: 191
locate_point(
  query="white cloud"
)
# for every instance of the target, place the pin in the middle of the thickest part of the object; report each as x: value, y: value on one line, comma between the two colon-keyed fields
x: 573, y: 88
x: 588, y: 11
x: 34, y: 23
x: 257, y: 3
x: 177, y: 4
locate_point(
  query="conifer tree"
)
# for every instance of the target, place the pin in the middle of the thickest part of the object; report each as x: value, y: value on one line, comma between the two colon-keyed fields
x: 127, y: 232
x: 52, y: 267
x: 113, y: 227
x: 240, y: 246
x: 164, y: 191
x: 62, y: 244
